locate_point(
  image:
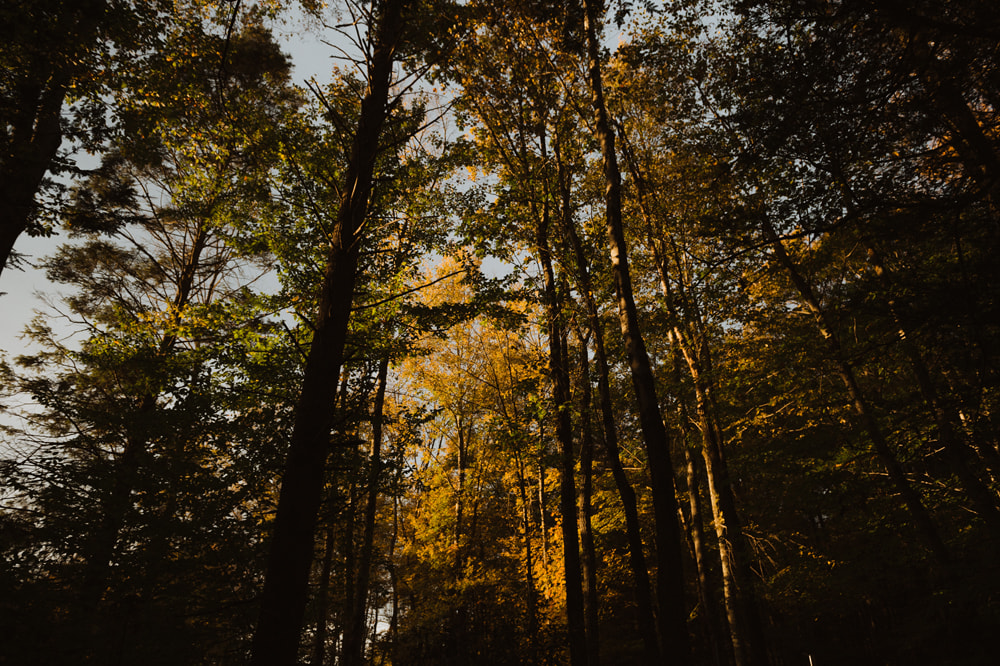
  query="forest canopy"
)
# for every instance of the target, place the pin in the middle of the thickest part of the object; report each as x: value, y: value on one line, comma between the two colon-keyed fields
x: 542, y: 332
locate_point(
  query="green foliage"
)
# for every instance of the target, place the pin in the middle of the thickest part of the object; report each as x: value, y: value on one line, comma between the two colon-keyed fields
x: 148, y: 463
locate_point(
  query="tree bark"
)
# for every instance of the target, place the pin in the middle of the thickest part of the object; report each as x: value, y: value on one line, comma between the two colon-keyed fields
x: 286, y: 584
x: 670, y: 583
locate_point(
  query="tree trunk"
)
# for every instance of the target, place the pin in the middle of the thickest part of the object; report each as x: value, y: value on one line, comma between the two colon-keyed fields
x: 918, y: 512
x: 529, y: 565
x: 460, y: 500
x: 33, y: 132
x: 354, y: 627
x: 955, y: 451
x: 670, y: 583
x: 559, y: 375
x: 323, y: 601
x: 393, y: 632
x: 714, y: 632
x: 286, y: 583
x: 542, y: 523
x: 637, y: 558
x: 589, y: 561
x: 706, y: 597
x: 31, y: 147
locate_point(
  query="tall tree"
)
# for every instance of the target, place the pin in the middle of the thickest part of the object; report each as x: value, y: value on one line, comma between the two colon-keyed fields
x: 670, y: 585
x: 276, y: 639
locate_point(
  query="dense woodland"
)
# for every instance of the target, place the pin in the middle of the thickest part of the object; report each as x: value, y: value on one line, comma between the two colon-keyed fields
x: 540, y: 332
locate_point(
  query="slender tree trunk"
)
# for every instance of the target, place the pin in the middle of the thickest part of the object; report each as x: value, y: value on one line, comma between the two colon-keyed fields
x: 354, y: 627
x: 542, y: 523
x: 530, y: 592
x: 955, y: 451
x: 745, y: 627
x: 116, y: 504
x: 589, y: 562
x: 393, y: 631
x: 706, y: 598
x: 349, y: 527
x: 460, y: 501
x: 323, y: 601
x: 637, y: 558
x: 918, y: 512
x: 286, y: 584
x: 714, y: 633
x: 559, y: 375
x: 670, y: 583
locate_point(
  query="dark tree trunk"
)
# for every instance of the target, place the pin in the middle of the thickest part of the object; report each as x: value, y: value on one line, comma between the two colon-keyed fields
x: 918, y: 512
x: 637, y: 558
x: 34, y: 132
x: 32, y: 143
x: 33, y: 149
x: 354, y: 627
x: 286, y: 585
x: 559, y: 375
x: 349, y: 527
x: 589, y: 562
x: 670, y: 582
x: 529, y: 565
x: 542, y: 522
x: 323, y: 601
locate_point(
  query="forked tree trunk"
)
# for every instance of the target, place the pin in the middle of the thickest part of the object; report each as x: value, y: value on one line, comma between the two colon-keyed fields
x: 286, y: 584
